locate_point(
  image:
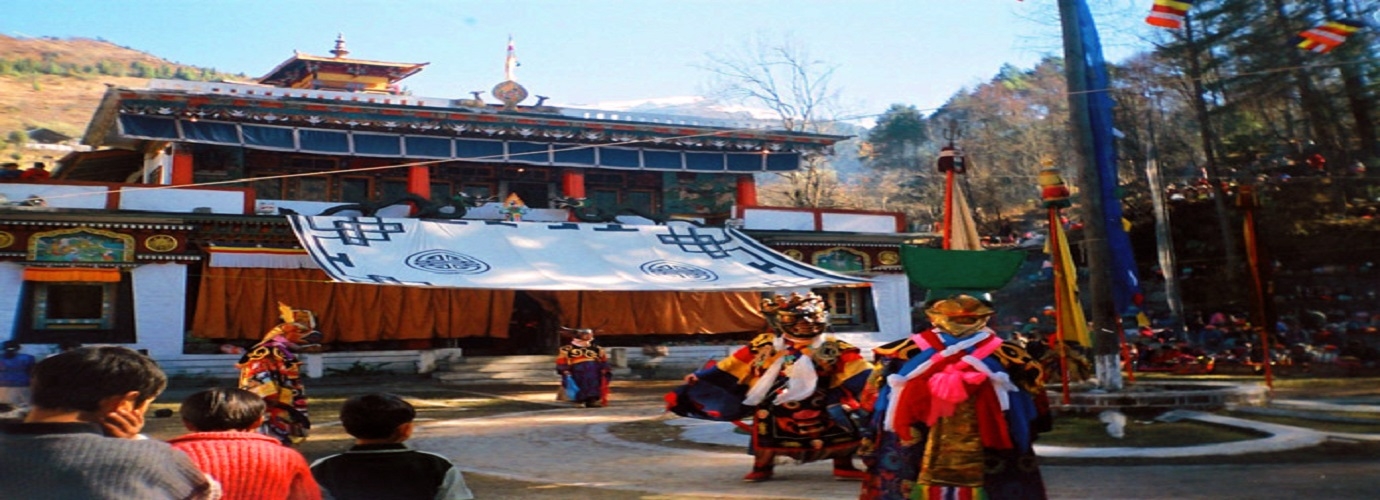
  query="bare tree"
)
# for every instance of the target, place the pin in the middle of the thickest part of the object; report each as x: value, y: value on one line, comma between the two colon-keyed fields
x: 783, y: 77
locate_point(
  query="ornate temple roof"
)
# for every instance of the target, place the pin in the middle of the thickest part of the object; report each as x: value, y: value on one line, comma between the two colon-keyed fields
x: 296, y: 70
x: 355, y: 124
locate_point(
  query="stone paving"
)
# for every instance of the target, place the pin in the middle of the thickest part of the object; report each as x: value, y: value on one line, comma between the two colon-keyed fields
x: 574, y: 447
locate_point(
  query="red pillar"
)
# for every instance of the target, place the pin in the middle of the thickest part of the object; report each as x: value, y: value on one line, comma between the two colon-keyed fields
x: 419, y: 183
x: 181, y: 167
x: 573, y: 186
x: 747, y: 191
x: 573, y: 183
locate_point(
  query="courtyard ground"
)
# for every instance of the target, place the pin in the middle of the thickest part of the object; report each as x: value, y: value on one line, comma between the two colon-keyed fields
x: 517, y: 442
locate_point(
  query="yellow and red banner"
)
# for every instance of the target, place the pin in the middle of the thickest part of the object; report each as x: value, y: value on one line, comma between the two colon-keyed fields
x: 1169, y: 13
x: 1330, y: 35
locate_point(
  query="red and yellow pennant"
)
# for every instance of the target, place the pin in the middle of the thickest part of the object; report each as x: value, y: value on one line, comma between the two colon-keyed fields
x: 1169, y: 13
x: 1328, y: 36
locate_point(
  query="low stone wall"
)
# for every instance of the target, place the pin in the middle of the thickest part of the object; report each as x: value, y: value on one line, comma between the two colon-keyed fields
x: 672, y: 362
x: 1163, y: 396
x: 318, y: 365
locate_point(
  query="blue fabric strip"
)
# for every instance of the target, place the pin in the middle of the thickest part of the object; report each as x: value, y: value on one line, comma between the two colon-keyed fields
x: 268, y: 137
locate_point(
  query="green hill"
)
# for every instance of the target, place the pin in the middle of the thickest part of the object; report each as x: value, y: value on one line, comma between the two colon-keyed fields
x: 57, y: 83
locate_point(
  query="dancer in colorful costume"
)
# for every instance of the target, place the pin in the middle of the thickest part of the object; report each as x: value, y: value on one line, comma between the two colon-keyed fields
x: 584, y: 370
x: 799, y: 385
x: 272, y: 370
x: 954, y: 412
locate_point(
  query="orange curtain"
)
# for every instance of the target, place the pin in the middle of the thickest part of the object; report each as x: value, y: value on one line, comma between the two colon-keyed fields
x: 242, y: 303
x: 630, y: 313
x: 87, y: 274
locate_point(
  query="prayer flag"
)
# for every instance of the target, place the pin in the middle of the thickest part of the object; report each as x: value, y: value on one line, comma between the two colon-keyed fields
x: 964, y: 234
x: 1328, y: 36
x: 1169, y: 13
x: 1068, y: 312
x: 1125, y: 283
x: 511, y: 63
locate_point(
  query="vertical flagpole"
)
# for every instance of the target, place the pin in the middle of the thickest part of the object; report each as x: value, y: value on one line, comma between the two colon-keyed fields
x: 951, y: 163
x: 1245, y: 198
x: 1055, y: 195
x: 1103, y: 310
x: 510, y: 62
x: 1126, y: 354
x: 1059, y: 306
x: 948, y: 210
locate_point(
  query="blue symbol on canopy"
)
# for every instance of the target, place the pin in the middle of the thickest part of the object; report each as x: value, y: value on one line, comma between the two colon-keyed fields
x: 446, y: 262
x: 679, y: 271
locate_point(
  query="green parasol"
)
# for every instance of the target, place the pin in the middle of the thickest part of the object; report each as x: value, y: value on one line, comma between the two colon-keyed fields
x: 947, y: 272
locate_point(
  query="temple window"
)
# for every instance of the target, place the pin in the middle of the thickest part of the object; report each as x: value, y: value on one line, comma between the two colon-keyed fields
x: 478, y: 190
x: 356, y: 189
x: 392, y: 189
x: 440, y: 191
x: 533, y: 194
x: 309, y: 189
x: 268, y: 189
x: 76, y: 306
x: 85, y: 311
x: 850, y: 308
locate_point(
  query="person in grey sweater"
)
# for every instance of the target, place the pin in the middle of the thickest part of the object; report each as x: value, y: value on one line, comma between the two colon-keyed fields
x: 81, y: 440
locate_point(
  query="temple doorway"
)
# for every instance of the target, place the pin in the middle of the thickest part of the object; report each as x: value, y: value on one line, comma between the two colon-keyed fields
x: 532, y: 330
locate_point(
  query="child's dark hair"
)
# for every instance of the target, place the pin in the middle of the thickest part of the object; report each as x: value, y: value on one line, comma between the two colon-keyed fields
x: 222, y: 409
x: 80, y: 378
x: 375, y: 416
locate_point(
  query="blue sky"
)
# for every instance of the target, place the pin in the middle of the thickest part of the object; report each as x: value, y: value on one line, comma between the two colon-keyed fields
x: 589, y: 51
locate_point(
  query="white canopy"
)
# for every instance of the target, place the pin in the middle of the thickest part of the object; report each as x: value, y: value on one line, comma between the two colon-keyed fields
x: 550, y: 256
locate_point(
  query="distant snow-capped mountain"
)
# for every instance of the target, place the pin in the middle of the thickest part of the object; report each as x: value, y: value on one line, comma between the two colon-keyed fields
x: 702, y: 107
x: 845, y: 157
x: 697, y: 106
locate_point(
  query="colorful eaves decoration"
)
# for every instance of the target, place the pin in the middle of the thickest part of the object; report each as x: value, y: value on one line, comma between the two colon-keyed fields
x: 1322, y: 39
x: 1169, y: 13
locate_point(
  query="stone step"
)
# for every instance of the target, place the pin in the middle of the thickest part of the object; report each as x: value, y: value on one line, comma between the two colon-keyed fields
x: 508, y: 376
x: 548, y: 365
x: 517, y: 376
x: 507, y: 360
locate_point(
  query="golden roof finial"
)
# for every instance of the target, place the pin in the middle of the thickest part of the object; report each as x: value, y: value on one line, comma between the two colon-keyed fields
x: 340, y: 51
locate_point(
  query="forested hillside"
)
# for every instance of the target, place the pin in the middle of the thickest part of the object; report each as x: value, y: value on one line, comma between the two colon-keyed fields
x: 56, y: 84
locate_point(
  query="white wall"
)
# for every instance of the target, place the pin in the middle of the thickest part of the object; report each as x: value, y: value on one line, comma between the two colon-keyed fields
x: 151, y: 198
x: 164, y: 199
x: 778, y: 220
x: 857, y: 223
x: 11, y: 283
x: 56, y: 196
x: 891, y: 297
x: 803, y: 219
x: 160, y: 297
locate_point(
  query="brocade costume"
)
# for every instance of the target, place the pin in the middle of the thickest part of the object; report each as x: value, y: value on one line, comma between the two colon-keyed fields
x: 585, y: 374
x: 954, y: 417
x: 800, y: 386
x: 273, y: 370
x: 788, y: 389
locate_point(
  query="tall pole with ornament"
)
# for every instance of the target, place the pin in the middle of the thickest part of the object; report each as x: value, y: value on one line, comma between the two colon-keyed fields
x: 1068, y: 312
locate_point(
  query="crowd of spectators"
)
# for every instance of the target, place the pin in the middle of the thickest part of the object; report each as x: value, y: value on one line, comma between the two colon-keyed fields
x: 81, y: 437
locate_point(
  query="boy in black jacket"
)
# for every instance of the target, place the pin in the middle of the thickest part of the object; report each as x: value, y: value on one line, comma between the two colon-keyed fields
x: 379, y: 465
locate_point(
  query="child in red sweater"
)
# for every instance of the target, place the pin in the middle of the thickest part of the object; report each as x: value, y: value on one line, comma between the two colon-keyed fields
x: 224, y: 444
